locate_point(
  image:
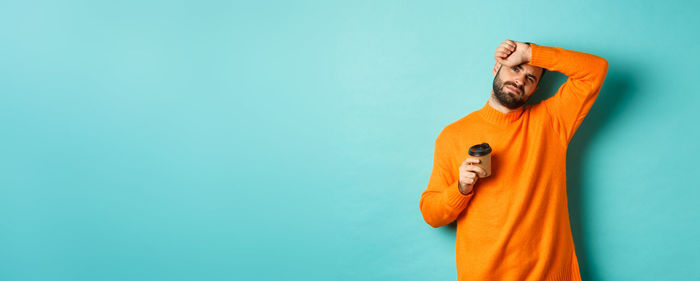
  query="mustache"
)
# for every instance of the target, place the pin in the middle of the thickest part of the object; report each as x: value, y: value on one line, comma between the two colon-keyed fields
x: 514, y: 86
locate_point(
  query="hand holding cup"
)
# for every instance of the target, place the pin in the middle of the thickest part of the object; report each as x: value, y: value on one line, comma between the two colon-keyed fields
x: 478, y: 165
x: 469, y: 174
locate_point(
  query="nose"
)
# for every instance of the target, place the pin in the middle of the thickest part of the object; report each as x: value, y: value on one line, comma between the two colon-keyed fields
x: 520, y: 80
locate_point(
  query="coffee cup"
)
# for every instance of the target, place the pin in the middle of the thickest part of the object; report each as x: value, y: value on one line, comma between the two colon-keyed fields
x: 483, y: 153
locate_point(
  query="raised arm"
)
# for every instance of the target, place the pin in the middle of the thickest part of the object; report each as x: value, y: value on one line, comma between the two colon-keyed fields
x: 570, y: 105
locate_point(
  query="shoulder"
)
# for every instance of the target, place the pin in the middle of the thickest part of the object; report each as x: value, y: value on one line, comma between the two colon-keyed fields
x: 457, y: 127
x: 537, y: 110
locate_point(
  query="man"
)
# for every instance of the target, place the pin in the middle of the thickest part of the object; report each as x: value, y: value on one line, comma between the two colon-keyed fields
x: 514, y: 224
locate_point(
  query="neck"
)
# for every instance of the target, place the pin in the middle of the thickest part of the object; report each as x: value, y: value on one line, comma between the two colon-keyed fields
x: 498, y: 106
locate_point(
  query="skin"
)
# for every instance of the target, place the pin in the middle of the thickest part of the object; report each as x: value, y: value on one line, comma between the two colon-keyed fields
x: 516, y: 80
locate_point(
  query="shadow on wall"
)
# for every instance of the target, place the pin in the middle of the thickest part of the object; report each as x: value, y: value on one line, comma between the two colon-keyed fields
x: 616, y: 89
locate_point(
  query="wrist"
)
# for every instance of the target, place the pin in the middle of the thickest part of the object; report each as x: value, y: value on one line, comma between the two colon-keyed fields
x: 465, y: 189
x: 527, y: 54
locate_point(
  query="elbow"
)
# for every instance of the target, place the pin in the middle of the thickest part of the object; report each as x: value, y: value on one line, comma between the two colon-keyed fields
x: 598, y: 73
x: 436, y: 225
x: 432, y: 219
x: 432, y: 222
x: 602, y: 67
x: 435, y: 212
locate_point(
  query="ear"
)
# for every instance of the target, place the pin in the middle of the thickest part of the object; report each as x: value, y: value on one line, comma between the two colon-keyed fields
x: 495, y: 68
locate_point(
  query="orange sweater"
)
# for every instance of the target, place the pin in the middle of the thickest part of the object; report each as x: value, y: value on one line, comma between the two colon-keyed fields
x: 515, y: 226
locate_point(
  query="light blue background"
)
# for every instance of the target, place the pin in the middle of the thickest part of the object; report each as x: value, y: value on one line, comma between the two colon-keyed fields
x: 216, y: 140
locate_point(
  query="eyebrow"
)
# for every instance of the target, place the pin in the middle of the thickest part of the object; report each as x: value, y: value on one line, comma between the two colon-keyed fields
x: 532, y: 75
x: 528, y: 74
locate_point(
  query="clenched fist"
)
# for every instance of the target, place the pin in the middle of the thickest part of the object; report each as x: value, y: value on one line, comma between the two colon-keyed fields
x: 469, y: 174
x: 511, y: 53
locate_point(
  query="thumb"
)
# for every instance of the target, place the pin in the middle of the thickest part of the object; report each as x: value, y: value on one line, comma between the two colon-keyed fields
x: 502, y: 61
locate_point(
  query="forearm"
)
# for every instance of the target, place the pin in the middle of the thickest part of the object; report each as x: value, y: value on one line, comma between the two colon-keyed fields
x: 578, y: 66
x: 441, y: 206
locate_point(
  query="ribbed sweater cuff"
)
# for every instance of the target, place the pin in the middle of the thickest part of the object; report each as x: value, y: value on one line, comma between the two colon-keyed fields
x: 455, y: 198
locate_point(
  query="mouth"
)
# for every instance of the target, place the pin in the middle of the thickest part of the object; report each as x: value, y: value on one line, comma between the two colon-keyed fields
x: 514, y: 89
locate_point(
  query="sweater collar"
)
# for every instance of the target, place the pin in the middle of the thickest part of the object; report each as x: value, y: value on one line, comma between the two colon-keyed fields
x: 494, y: 116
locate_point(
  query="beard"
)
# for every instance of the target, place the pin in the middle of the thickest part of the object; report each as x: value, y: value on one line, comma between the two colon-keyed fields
x: 506, y: 98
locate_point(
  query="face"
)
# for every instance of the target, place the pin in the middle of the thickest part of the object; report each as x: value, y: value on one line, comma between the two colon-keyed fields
x: 513, y: 86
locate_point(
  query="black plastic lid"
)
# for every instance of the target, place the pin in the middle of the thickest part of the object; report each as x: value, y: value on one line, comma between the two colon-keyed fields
x: 480, y: 150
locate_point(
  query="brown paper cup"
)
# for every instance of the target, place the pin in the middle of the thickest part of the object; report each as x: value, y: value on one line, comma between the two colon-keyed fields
x: 482, y: 152
x: 485, y: 164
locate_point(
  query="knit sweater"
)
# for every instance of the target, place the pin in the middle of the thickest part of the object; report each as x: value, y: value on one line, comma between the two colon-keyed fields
x: 514, y: 225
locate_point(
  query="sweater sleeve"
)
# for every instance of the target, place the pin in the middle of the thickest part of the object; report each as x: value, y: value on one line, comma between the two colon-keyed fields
x: 442, y: 201
x: 570, y: 105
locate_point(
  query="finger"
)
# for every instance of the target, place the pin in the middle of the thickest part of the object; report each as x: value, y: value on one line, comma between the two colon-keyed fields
x: 472, y: 160
x: 500, y: 50
x: 468, y: 181
x: 481, y: 172
x: 508, y: 46
x: 467, y: 174
x: 504, y: 49
x: 511, y: 43
x: 471, y: 180
x: 502, y: 61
